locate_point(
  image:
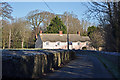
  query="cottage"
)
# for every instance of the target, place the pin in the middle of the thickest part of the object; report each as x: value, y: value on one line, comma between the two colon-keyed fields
x: 59, y: 41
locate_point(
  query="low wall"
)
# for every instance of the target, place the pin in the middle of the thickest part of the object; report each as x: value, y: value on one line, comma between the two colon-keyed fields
x: 111, y: 60
x: 33, y: 63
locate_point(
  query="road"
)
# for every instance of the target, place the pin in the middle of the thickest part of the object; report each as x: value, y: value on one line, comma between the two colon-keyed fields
x: 0, y: 63
x: 83, y: 66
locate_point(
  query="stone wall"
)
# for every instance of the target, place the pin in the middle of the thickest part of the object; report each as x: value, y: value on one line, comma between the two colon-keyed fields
x: 33, y: 63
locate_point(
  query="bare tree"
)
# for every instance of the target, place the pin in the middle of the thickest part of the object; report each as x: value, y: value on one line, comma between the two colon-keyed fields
x: 47, y: 18
x: 5, y: 10
x: 5, y: 33
x: 73, y: 22
x: 5, y: 13
x: 107, y: 13
x: 21, y: 32
x: 35, y: 18
x: 97, y: 38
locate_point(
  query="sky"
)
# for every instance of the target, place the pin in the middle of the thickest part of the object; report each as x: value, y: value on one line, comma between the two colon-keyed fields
x: 21, y: 9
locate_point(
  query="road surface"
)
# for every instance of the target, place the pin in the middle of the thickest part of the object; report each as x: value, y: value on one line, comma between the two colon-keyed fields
x: 83, y: 66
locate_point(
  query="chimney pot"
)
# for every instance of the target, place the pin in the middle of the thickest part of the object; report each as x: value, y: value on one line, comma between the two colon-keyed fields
x: 60, y: 32
x: 78, y: 32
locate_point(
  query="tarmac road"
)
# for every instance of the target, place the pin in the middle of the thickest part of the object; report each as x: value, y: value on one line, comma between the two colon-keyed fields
x: 0, y: 64
x: 83, y: 67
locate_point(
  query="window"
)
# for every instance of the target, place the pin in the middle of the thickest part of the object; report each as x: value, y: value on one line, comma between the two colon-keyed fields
x: 47, y: 43
x: 78, y: 43
x: 86, y: 43
x: 58, y: 43
x: 70, y: 43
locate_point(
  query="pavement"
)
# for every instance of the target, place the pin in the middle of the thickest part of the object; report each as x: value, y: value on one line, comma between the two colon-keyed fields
x: 84, y: 66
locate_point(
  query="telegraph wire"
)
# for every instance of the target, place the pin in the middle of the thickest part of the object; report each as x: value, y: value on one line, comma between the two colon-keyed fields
x: 67, y: 25
x: 48, y: 6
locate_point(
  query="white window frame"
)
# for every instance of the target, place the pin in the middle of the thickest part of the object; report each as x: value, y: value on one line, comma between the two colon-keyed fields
x: 47, y: 43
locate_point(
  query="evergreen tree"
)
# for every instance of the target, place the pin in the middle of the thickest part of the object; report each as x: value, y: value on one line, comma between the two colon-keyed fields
x: 56, y: 25
x: 91, y: 30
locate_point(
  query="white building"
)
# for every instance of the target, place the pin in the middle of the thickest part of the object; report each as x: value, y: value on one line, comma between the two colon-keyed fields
x: 59, y: 41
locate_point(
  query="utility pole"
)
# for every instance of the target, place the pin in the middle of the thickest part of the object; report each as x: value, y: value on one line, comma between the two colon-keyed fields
x: 67, y: 34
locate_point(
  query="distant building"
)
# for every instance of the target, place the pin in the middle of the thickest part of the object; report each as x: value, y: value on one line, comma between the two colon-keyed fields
x: 59, y: 41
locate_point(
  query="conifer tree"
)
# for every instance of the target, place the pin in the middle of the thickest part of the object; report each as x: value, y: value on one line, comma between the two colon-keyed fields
x: 56, y: 25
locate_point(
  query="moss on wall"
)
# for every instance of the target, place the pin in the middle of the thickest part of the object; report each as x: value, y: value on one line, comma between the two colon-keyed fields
x: 33, y: 63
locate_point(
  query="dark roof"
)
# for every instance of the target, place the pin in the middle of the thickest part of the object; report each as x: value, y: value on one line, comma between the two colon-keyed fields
x: 63, y: 38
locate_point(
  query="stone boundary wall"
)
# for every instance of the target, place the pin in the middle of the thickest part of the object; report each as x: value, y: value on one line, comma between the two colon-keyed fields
x: 111, y: 60
x: 33, y: 63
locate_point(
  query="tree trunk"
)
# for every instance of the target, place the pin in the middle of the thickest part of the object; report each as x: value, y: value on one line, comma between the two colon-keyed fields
x: 3, y: 44
x: 9, y: 39
x: 22, y: 43
x: 27, y: 45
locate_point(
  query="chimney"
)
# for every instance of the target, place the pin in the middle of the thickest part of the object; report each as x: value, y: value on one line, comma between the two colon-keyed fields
x: 40, y: 32
x: 60, y: 32
x: 78, y: 32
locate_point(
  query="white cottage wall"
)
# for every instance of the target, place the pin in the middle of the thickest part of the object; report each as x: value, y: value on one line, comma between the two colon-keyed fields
x: 53, y: 45
x: 76, y: 46
x: 63, y: 45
